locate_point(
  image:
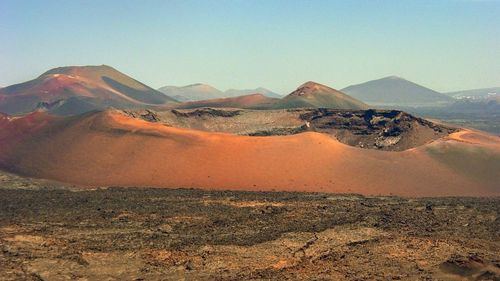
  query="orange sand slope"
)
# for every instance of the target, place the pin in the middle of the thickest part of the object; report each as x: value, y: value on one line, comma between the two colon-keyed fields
x: 111, y: 149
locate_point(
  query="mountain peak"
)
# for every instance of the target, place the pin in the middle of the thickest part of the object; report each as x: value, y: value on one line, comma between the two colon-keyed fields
x: 82, y: 88
x: 76, y: 68
x: 393, y: 77
x: 311, y: 84
x: 192, y: 92
x: 200, y: 86
x: 394, y: 90
x: 194, y: 85
x: 315, y: 95
x: 310, y: 87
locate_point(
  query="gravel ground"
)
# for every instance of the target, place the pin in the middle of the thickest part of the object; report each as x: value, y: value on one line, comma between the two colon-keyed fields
x: 52, y: 232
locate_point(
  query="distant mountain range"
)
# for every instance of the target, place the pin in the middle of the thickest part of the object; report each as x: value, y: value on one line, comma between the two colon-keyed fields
x: 199, y: 91
x: 308, y: 95
x: 77, y: 89
x: 394, y: 90
x: 388, y: 91
x: 192, y: 92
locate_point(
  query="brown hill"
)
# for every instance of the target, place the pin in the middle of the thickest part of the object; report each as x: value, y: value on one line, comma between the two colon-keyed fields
x: 199, y: 92
x: 77, y: 89
x: 311, y: 94
x: 255, y: 101
x: 396, y: 91
x: 308, y: 95
x: 193, y: 92
x: 111, y: 148
x: 259, y: 90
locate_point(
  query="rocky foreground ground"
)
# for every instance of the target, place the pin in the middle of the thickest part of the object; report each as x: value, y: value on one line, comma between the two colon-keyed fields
x: 53, y: 232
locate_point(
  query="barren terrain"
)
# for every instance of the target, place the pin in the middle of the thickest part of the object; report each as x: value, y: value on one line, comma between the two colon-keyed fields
x: 391, y: 130
x: 49, y: 231
x: 364, y: 152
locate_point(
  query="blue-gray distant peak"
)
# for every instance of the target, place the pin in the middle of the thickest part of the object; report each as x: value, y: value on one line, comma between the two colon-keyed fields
x: 394, y: 90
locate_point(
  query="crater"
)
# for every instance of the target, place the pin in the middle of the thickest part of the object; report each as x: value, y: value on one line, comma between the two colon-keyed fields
x: 390, y: 130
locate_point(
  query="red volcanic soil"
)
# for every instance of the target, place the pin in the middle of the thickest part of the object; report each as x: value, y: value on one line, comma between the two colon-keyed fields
x: 312, y: 94
x: 98, y: 85
x: 112, y: 149
x: 15, y: 129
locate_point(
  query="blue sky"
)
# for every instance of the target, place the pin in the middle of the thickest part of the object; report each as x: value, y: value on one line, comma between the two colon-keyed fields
x: 446, y: 45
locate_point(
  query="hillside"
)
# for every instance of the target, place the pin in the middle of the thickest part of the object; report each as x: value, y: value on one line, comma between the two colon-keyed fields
x: 201, y: 92
x: 315, y: 95
x: 396, y: 91
x: 255, y: 101
x: 83, y: 150
x: 193, y: 92
x: 77, y: 89
x: 260, y: 90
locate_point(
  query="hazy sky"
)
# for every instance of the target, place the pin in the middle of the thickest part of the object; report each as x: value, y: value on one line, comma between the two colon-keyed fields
x: 446, y: 45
